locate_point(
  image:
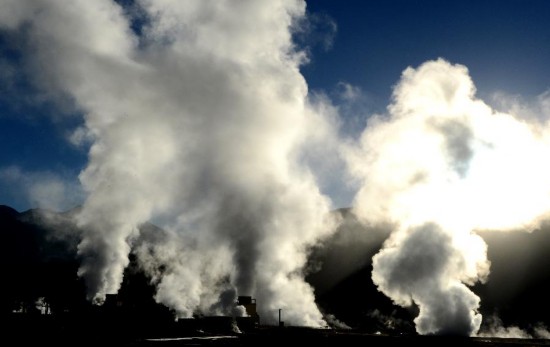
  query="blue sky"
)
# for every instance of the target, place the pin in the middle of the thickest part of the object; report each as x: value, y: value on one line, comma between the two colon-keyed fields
x: 505, y: 45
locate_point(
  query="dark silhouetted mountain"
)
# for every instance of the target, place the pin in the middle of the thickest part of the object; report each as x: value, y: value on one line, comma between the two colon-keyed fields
x: 516, y: 291
x: 342, y: 279
x: 38, y: 257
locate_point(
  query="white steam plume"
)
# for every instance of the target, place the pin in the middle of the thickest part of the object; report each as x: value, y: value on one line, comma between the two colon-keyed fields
x: 200, y: 119
x: 442, y: 165
x: 493, y: 327
x: 43, y: 189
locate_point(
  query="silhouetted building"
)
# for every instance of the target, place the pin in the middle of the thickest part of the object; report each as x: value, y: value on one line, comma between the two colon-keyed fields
x: 253, y: 319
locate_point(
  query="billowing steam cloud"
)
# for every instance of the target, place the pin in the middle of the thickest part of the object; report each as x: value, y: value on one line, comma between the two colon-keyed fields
x: 200, y: 120
x: 442, y: 165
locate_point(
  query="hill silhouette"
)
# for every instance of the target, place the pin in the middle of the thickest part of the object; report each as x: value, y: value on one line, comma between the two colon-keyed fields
x: 38, y: 253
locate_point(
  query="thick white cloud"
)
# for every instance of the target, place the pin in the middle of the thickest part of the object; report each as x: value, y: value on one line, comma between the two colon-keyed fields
x: 201, y: 122
x: 441, y: 165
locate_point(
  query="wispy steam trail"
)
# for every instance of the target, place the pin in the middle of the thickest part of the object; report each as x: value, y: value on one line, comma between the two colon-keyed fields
x: 201, y: 122
x: 442, y: 165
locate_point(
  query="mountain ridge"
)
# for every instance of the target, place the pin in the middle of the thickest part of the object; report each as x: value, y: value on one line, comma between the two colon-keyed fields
x: 39, y: 249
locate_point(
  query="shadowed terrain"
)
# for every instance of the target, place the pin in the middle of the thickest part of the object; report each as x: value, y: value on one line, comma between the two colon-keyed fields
x: 39, y: 257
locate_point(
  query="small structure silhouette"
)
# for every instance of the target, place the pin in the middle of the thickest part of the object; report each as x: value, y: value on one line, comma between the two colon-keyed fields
x: 253, y: 319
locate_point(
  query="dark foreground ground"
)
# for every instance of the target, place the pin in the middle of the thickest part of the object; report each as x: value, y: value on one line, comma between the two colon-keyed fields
x: 309, y: 337
x: 94, y: 330
x: 261, y: 336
